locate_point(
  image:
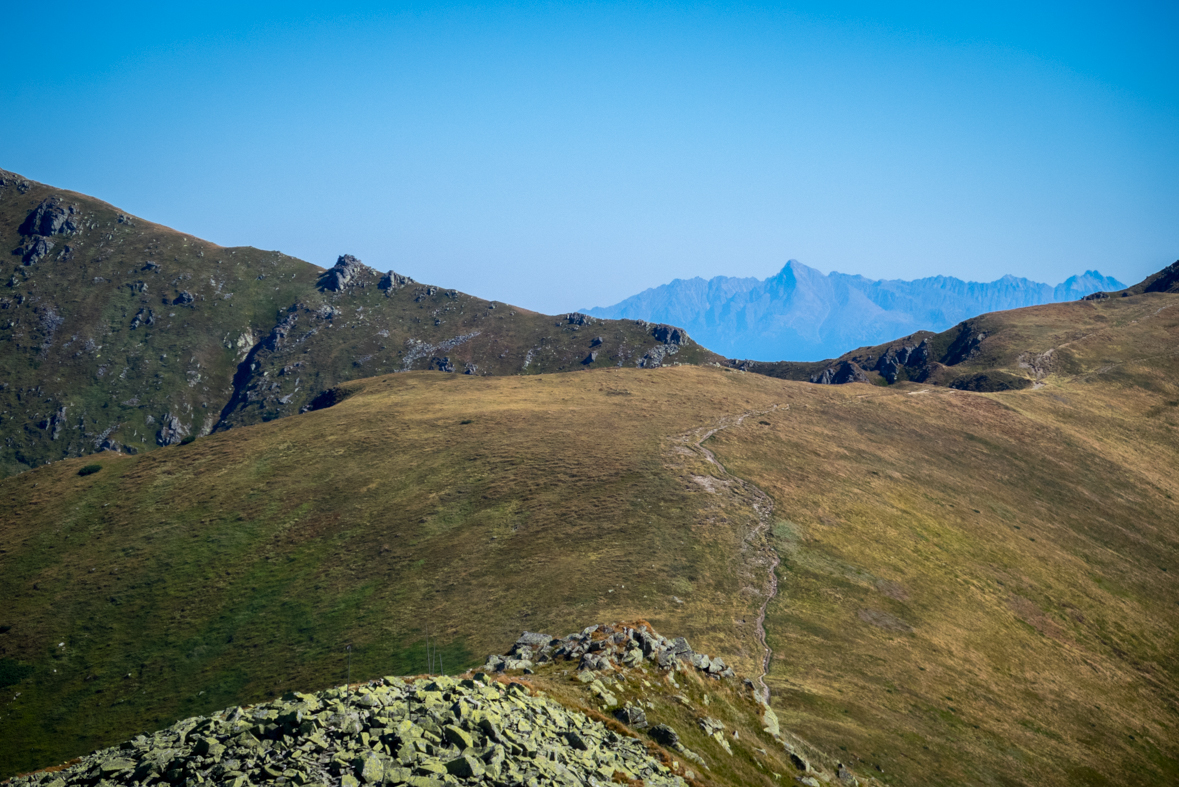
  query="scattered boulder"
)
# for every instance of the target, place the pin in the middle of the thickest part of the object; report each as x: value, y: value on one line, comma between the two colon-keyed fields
x: 632, y: 716
x: 185, y: 297
x: 143, y: 317
x: 665, y: 736
x: 845, y: 776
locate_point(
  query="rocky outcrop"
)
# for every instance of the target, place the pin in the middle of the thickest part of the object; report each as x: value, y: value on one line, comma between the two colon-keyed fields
x: 172, y: 431
x: 424, y: 733
x: 51, y: 218
x: 670, y: 339
x: 34, y: 250
x: 906, y: 357
x: 604, y: 648
x: 391, y: 282
x: 669, y: 334
x: 966, y: 345
x: 279, y: 333
x: 347, y: 272
x: 841, y: 373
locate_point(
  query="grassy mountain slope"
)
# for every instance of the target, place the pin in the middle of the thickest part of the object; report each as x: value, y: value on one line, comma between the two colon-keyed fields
x: 975, y: 588
x: 119, y: 333
x: 998, y: 351
x: 983, y: 587
x: 463, y: 507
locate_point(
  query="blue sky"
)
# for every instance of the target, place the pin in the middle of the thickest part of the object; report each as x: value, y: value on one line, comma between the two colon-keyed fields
x: 568, y: 155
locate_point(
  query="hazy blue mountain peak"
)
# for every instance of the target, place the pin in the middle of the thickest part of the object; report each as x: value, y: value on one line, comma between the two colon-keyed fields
x: 802, y: 314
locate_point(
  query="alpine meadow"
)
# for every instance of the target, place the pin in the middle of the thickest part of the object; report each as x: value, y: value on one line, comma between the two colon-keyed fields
x: 264, y: 522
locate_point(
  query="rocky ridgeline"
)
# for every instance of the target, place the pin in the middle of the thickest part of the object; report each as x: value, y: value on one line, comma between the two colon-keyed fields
x: 428, y: 733
x: 604, y: 648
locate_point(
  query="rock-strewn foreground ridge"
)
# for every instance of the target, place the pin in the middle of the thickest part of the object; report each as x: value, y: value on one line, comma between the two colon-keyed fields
x: 430, y: 731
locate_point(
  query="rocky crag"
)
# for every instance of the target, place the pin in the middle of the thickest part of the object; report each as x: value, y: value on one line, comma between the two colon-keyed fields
x: 606, y: 648
x: 527, y: 719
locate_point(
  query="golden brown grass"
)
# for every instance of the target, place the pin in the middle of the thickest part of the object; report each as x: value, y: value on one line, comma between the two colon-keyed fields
x: 976, y: 588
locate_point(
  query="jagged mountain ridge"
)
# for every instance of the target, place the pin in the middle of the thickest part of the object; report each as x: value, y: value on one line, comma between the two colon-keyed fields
x: 802, y: 315
x: 121, y: 334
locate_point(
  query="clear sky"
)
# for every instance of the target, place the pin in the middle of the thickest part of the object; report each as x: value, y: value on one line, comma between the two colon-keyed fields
x: 569, y: 155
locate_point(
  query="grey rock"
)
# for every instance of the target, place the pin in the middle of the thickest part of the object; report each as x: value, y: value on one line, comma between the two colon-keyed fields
x: 35, y: 249
x: 51, y: 218
x: 172, y: 431
x: 631, y: 715
x: 347, y: 272
x: 593, y: 356
x: 669, y: 334
x: 144, y: 316
x: 391, y: 282
x: 534, y: 640
x: 665, y: 736
x: 183, y: 298
x: 842, y: 373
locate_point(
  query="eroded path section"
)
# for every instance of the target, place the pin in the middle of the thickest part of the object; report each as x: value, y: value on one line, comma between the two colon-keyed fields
x: 760, y: 560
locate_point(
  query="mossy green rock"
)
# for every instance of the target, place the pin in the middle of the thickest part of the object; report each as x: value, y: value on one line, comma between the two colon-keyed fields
x: 386, y: 732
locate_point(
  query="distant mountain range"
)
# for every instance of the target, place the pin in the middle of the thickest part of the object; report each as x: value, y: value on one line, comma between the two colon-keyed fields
x: 802, y: 315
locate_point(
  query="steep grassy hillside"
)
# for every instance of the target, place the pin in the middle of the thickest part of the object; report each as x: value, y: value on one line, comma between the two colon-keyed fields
x: 119, y: 333
x: 974, y: 588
